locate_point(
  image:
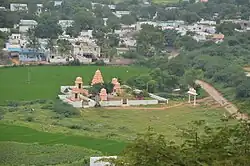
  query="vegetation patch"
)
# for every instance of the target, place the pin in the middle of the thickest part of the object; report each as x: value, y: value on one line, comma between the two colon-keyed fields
x: 27, y: 135
x: 13, y: 153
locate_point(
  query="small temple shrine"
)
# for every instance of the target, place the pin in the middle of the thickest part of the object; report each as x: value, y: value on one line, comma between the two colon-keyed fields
x: 78, y: 95
x: 78, y: 90
x: 103, y: 95
x: 117, y: 86
x: 97, y: 79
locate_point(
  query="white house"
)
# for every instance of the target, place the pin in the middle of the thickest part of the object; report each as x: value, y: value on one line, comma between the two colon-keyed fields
x: 18, y: 7
x: 25, y: 25
x: 121, y: 13
x: 58, y: 3
x: 6, y: 30
x: 65, y: 24
x: 94, y: 161
x: 39, y: 9
x: 86, y: 48
x: 87, y: 33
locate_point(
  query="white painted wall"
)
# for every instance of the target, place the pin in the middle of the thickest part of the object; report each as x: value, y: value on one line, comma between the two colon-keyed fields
x: 142, y: 102
x: 93, y: 161
x: 111, y: 103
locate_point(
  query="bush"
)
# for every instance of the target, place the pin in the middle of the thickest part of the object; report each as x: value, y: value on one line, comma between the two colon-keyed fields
x: 65, y: 109
x: 75, y: 126
x: 75, y: 62
x: 100, y: 63
x: 12, y: 104
x: 29, y: 119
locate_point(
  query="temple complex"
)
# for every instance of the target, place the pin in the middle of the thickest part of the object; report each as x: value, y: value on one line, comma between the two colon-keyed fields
x: 78, y: 90
x: 117, y: 86
x: 97, y: 79
x: 103, y: 94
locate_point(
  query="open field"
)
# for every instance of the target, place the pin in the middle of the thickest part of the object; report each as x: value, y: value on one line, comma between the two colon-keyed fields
x: 45, y: 81
x: 13, y: 153
x: 107, y: 124
x: 28, y: 135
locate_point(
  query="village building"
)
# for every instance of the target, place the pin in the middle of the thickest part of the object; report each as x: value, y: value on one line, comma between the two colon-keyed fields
x: 217, y: 38
x: 18, y: 7
x: 58, y: 3
x: 65, y: 24
x: 25, y: 25
x: 86, y: 48
x: 121, y: 13
x: 39, y: 9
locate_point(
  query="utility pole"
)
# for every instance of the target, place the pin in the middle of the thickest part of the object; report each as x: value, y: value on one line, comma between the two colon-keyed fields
x: 28, y: 75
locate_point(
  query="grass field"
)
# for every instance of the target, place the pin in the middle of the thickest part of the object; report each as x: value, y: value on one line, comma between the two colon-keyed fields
x: 27, y: 135
x: 13, y: 153
x: 115, y: 124
x: 45, y: 81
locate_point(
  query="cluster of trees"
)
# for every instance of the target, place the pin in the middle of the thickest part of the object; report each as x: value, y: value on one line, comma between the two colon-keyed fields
x: 221, y: 64
x: 200, y: 145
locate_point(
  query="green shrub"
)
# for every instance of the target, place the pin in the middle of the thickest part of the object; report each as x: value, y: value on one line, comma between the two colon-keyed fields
x: 29, y: 119
x: 65, y: 109
x: 75, y: 126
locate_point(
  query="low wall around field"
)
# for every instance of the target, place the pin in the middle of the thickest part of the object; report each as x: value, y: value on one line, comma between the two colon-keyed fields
x: 142, y: 102
x: 116, y: 103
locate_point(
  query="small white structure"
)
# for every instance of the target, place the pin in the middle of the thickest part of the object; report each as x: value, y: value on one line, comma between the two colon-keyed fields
x: 6, y: 30
x: 94, y: 161
x: 25, y: 25
x: 57, y: 3
x: 121, y: 13
x: 65, y: 24
x: 39, y: 9
x: 87, y: 33
x: 18, y: 7
x: 192, y: 91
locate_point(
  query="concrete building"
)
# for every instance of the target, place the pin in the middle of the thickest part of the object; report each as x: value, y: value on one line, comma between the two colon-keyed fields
x: 86, y: 48
x: 39, y: 9
x: 6, y: 30
x: 87, y: 33
x: 25, y: 25
x: 18, y: 7
x: 65, y: 24
x: 121, y: 13
x: 58, y: 3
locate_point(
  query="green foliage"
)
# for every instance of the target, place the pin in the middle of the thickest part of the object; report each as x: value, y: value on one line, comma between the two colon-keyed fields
x: 35, y: 154
x: 27, y: 135
x: 65, y: 109
x: 201, y: 145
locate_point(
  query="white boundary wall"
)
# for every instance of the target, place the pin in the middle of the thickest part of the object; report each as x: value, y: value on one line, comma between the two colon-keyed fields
x: 116, y: 103
x: 142, y: 102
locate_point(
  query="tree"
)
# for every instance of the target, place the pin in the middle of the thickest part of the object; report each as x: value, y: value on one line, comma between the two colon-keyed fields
x: 113, y: 23
x: 84, y: 20
x: 64, y: 47
x: 200, y: 145
x: 47, y: 27
x: 149, y: 41
x: 227, y: 28
x: 33, y: 40
x: 128, y: 19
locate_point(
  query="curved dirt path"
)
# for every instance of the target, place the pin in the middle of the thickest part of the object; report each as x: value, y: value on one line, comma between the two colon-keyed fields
x: 217, y: 96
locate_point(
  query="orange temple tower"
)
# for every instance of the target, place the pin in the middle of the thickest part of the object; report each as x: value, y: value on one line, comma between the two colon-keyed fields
x: 103, y: 94
x: 97, y: 78
x: 117, y: 86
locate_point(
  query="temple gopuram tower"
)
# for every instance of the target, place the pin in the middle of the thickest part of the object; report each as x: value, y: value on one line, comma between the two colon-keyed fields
x: 97, y: 79
x: 79, y: 82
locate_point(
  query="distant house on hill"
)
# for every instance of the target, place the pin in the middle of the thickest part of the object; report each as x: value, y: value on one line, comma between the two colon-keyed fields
x: 18, y: 7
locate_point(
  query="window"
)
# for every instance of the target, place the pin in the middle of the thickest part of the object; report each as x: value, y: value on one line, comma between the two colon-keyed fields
x: 79, y: 86
x: 75, y: 95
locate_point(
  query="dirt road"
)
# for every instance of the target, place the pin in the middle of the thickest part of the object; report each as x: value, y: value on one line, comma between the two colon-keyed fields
x: 217, y: 96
